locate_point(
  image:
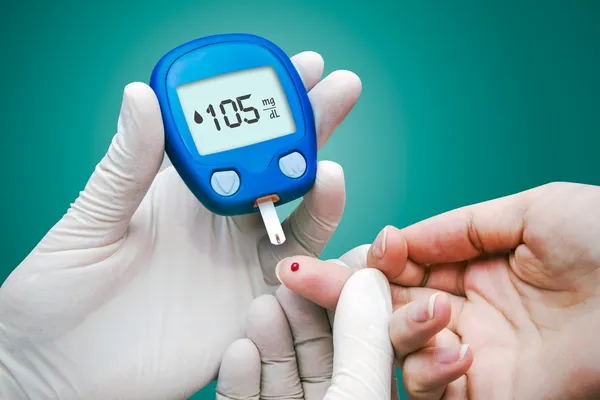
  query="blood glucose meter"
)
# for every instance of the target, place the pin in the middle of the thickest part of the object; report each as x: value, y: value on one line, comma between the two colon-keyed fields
x: 239, y: 127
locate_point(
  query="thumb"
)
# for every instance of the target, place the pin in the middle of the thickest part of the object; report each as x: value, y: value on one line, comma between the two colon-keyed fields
x: 97, y: 220
x: 103, y: 210
x: 363, y: 353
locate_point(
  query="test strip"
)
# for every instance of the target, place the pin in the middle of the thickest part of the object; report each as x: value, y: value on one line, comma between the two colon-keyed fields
x: 271, y: 220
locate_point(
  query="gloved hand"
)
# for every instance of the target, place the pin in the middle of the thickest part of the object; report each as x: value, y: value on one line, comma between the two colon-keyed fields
x: 289, y: 350
x: 138, y: 290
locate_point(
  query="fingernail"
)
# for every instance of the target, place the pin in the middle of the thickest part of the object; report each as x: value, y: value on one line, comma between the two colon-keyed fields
x: 421, y: 311
x: 379, y: 244
x: 277, y: 268
x: 463, y: 351
x: 431, y: 305
x: 450, y: 355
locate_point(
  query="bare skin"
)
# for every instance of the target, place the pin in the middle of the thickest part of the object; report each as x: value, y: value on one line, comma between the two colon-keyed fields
x: 518, y: 280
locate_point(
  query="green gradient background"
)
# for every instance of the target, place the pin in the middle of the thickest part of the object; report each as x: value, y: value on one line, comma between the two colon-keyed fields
x: 462, y: 101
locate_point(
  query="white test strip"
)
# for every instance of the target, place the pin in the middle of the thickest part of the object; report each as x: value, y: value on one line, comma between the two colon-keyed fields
x: 271, y: 220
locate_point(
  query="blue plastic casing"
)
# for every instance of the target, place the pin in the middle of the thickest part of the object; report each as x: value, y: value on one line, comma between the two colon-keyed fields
x: 258, y: 164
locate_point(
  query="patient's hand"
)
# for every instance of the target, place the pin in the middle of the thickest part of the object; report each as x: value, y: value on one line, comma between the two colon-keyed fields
x: 521, y: 276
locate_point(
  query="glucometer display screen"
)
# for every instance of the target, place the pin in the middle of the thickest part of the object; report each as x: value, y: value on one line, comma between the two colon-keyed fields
x: 235, y: 110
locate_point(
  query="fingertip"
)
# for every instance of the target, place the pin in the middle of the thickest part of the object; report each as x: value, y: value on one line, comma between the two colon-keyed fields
x: 328, y: 195
x: 351, y: 80
x: 240, y: 370
x: 263, y: 311
x: 332, y: 100
x: 318, y: 281
x: 415, y: 324
x: 330, y: 178
x: 466, y: 356
x: 453, y: 362
x: 310, y: 66
x: 242, y: 353
x: 291, y: 276
x: 330, y: 169
x: 137, y: 89
x: 429, y: 371
x: 441, y: 309
x: 458, y: 365
x: 259, y: 305
x: 140, y: 122
x: 139, y: 98
x: 267, y: 327
x: 315, y: 59
x: 389, y: 253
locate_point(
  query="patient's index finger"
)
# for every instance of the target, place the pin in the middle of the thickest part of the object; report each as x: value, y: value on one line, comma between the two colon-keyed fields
x: 318, y: 281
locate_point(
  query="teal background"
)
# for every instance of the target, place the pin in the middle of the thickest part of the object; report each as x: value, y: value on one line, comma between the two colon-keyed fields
x: 462, y: 101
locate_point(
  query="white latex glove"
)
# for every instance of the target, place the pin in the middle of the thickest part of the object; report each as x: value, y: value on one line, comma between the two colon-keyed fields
x: 289, y: 352
x: 138, y: 290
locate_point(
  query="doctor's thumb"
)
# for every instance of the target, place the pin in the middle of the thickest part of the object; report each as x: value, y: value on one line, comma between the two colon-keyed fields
x: 363, y: 353
x: 103, y: 210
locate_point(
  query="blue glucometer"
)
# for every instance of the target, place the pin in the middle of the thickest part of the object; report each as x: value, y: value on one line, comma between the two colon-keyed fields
x: 238, y: 122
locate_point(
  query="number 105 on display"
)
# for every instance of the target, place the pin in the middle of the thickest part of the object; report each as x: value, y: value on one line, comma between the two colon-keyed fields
x: 236, y: 107
x: 220, y: 118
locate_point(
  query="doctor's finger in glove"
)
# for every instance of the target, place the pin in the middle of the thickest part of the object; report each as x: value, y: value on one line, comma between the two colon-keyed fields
x: 265, y: 366
x: 363, y: 359
x: 294, y: 340
x: 239, y: 374
x: 288, y: 353
x: 268, y: 329
x: 313, y: 342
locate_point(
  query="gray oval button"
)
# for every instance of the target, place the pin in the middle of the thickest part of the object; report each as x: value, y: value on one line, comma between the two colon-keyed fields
x: 293, y: 165
x: 225, y: 183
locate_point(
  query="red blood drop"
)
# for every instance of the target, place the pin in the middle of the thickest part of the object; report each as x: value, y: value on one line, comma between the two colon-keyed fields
x: 295, y: 267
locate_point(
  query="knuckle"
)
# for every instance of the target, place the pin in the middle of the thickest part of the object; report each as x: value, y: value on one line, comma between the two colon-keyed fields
x: 416, y: 383
x: 473, y: 233
x: 401, y: 337
x: 400, y: 296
